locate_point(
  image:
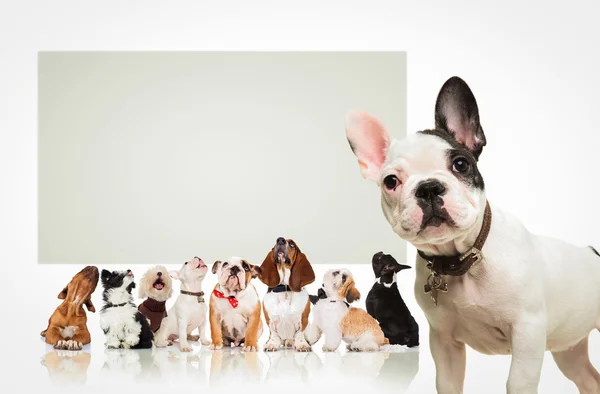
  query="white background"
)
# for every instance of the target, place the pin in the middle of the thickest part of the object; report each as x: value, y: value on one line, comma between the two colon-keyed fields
x: 156, y: 157
x: 533, y: 67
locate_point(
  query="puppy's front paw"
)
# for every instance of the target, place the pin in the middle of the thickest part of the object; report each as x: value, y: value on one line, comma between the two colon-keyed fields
x: 364, y: 348
x: 73, y: 345
x: 193, y: 338
x: 288, y: 343
x: 162, y: 343
x: 329, y: 349
x: 250, y: 348
x: 215, y: 346
x: 272, y: 347
x: 185, y: 347
x: 303, y: 347
x: 205, y: 342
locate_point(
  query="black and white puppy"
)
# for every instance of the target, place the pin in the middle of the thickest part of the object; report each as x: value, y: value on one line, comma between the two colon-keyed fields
x: 385, y: 303
x: 124, y: 326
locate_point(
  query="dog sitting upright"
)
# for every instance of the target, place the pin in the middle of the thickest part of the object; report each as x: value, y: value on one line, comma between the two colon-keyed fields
x: 286, y: 271
x: 67, y: 327
x: 189, y: 311
x: 386, y: 305
x: 234, y: 308
x: 482, y: 278
x: 334, y: 317
x: 157, y: 286
x: 124, y: 326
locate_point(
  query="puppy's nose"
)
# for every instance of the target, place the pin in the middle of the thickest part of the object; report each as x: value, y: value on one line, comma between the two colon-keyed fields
x: 281, y: 241
x: 159, y: 273
x: 429, y: 189
x: 235, y: 269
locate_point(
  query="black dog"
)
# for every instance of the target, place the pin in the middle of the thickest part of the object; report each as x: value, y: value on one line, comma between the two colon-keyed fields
x: 386, y: 305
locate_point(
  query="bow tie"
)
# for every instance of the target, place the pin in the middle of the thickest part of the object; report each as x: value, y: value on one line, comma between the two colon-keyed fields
x: 231, y: 299
x: 320, y: 295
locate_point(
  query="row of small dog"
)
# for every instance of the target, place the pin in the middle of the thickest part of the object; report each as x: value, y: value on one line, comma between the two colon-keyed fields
x: 235, y: 311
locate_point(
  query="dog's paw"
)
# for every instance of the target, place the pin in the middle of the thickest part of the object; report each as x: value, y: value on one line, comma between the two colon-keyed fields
x: 250, y: 348
x: 60, y: 345
x: 193, y: 338
x: 364, y: 348
x: 205, y: 342
x: 162, y: 343
x: 271, y: 347
x: 73, y: 345
x: 303, y: 347
x: 288, y: 343
x: 329, y: 349
x: 173, y: 337
x: 215, y: 347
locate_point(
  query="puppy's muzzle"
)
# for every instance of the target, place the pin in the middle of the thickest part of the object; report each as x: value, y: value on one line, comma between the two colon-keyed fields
x: 234, y: 270
x: 430, y: 190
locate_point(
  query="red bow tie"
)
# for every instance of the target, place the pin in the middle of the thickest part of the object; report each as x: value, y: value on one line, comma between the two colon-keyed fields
x: 231, y: 299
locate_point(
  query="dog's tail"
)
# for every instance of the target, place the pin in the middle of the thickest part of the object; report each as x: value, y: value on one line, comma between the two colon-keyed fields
x: 386, y: 341
x: 594, y: 250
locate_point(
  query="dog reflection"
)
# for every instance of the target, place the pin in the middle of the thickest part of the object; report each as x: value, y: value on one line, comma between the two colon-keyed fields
x: 289, y: 366
x: 145, y: 365
x: 67, y: 367
x: 233, y: 365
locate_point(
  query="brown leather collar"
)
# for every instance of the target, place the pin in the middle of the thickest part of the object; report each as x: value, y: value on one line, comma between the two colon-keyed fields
x: 198, y: 294
x: 460, y: 264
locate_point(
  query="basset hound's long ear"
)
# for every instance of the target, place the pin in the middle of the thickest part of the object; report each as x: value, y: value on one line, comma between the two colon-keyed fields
x: 63, y: 294
x: 268, y: 271
x: 302, y: 273
x: 349, y: 291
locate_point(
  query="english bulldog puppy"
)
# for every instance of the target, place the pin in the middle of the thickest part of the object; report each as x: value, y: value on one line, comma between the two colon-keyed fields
x: 234, y: 308
x: 286, y: 271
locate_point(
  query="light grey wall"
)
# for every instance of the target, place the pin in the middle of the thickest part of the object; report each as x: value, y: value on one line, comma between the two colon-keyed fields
x: 156, y: 157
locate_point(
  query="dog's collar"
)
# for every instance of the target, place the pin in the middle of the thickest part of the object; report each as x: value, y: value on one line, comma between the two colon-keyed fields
x: 460, y: 264
x: 321, y: 295
x: 232, y: 300
x: 111, y: 305
x: 279, y: 289
x: 199, y: 294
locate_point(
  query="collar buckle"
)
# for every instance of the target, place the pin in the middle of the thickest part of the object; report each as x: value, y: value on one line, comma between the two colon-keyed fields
x: 474, y: 253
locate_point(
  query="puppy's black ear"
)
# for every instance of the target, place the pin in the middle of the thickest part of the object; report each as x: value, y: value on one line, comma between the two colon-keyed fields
x: 401, y: 267
x: 105, y: 275
x: 456, y: 112
x: 215, y: 266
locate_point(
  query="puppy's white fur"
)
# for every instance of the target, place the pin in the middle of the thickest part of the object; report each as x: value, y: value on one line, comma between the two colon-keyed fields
x: 187, y: 314
x: 146, y: 284
x: 329, y: 315
x: 530, y: 294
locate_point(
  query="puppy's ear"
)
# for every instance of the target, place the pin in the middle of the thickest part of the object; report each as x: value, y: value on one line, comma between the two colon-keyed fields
x: 369, y: 141
x: 216, y: 266
x: 456, y: 112
x: 349, y: 291
x: 268, y: 271
x: 255, y: 270
x: 105, y: 275
x: 302, y: 273
x: 401, y: 267
x: 63, y: 294
x: 174, y: 274
x: 90, y: 307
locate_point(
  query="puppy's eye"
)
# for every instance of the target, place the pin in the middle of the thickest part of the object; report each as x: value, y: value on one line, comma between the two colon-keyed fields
x: 336, y: 273
x: 245, y: 267
x: 460, y: 165
x: 225, y: 265
x: 185, y: 263
x: 292, y: 245
x: 391, y: 182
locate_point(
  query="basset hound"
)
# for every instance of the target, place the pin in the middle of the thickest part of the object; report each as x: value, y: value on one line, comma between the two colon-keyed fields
x: 286, y: 306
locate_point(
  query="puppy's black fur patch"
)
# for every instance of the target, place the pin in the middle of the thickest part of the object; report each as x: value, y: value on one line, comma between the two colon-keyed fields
x: 386, y: 305
x: 111, y: 282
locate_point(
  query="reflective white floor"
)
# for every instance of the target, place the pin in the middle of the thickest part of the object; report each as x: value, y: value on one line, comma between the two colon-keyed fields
x: 29, y: 361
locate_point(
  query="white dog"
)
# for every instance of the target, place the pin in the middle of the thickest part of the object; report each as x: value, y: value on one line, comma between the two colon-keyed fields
x: 333, y: 316
x: 189, y: 310
x: 482, y: 278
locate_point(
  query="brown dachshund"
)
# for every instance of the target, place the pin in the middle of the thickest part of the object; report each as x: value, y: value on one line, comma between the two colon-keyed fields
x: 67, y: 327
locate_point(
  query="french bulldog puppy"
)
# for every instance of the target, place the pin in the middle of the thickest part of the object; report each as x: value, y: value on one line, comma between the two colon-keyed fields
x: 482, y: 278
